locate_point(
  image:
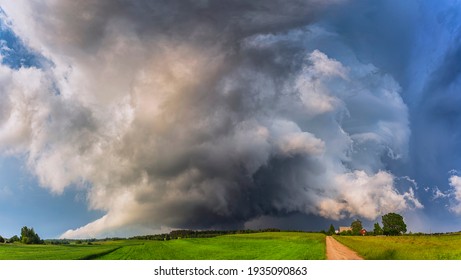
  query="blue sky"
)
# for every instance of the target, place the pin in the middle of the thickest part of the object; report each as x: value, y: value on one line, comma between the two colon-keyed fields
x: 133, y: 118
x: 23, y: 202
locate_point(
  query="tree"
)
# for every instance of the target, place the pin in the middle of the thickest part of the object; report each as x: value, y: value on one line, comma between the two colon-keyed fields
x: 356, y: 227
x: 393, y: 224
x: 2, y: 240
x: 14, y: 239
x: 28, y: 236
x: 331, y: 230
x: 377, y: 230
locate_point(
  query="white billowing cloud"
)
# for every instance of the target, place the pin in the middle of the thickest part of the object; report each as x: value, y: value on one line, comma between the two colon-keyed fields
x: 291, y: 141
x: 455, y: 183
x: 23, y: 109
x: 311, y: 83
x: 167, y: 129
x: 366, y: 195
x: 452, y: 196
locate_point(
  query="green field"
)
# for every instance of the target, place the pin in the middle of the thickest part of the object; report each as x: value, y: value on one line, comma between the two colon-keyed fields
x: 255, y: 246
x: 19, y: 251
x: 444, y: 247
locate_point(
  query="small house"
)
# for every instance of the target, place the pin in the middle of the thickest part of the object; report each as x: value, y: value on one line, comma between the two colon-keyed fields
x: 341, y: 229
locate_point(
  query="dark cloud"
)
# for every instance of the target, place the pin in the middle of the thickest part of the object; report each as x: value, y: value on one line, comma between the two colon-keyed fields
x: 202, y: 114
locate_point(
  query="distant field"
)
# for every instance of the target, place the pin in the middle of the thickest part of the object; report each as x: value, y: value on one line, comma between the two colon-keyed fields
x: 255, y: 246
x: 445, y: 247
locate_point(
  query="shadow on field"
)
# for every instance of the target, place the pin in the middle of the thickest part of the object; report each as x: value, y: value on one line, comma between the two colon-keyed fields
x: 98, y: 255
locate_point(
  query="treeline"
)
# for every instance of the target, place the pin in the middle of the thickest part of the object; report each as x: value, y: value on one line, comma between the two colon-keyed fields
x: 177, y: 234
x: 434, y: 233
x: 28, y: 236
x: 70, y: 241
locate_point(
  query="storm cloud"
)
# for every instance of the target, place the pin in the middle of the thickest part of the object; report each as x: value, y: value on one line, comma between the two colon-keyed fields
x: 211, y: 114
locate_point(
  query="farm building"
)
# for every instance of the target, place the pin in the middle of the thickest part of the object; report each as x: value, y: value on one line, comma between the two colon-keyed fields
x: 341, y: 229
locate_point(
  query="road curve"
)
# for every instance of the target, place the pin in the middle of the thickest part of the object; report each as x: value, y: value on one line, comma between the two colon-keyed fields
x: 337, y: 251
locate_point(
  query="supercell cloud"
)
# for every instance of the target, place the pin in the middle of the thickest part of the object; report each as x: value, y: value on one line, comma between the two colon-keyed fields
x: 209, y: 114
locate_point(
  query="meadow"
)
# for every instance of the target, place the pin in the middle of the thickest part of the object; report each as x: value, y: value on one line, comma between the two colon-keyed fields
x: 254, y: 246
x: 18, y: 251
x: 441, y: 247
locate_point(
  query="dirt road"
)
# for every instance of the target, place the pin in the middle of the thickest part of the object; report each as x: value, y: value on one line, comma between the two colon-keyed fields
x: 337, y: 251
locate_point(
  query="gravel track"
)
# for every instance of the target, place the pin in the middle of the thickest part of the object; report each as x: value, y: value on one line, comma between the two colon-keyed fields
x: 337, y: 251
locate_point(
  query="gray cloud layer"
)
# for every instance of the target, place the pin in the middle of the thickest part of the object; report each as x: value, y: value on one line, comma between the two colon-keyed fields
x: 195, y: 114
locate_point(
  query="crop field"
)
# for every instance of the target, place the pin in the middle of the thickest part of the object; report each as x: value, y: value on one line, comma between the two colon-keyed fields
x: 444, y: 247
x: 255, y: 246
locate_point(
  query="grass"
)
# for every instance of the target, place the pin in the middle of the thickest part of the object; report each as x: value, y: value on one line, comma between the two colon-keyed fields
x: 54, y: 252
x: 444, y: 247
x: 256, y: 246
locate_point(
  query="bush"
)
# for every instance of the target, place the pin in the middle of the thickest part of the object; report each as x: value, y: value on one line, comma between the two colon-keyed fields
x: 346, y: 233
